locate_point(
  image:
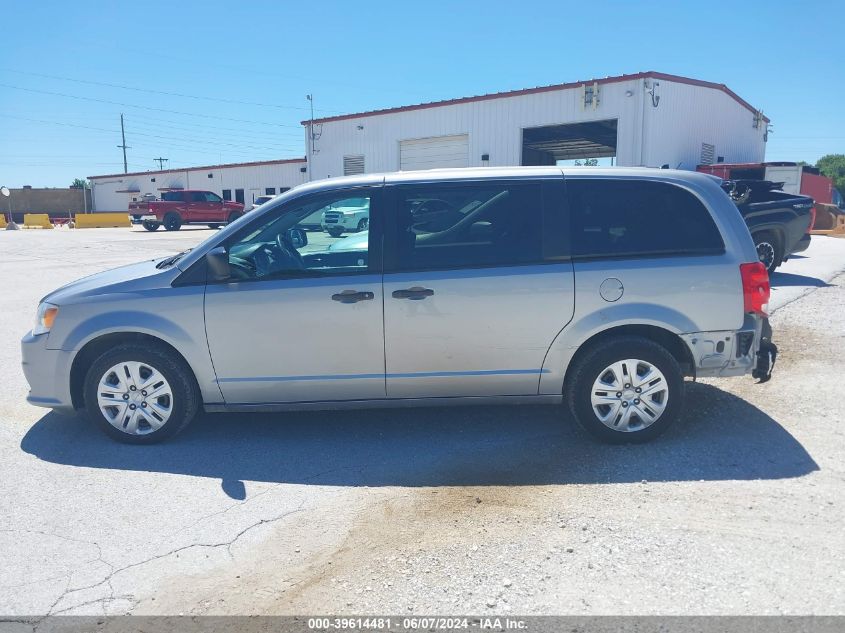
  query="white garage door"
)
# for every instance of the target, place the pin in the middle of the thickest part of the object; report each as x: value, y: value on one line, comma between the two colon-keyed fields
x: 437, y: 151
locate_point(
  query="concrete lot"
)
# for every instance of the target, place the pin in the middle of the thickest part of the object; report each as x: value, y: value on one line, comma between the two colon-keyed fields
x: 737, y: 510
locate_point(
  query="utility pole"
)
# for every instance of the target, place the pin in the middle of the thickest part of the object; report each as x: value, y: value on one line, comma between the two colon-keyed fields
x: 161, y: 162
x: 309, y: 164
x: 123, y: 144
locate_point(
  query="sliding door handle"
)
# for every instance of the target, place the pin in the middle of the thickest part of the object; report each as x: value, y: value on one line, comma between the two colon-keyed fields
x: 414, y: 294
x: 353, y: 296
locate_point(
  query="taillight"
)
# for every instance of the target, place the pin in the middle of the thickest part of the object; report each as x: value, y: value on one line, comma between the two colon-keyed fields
x: 812, y: 218
x: 755, y: 288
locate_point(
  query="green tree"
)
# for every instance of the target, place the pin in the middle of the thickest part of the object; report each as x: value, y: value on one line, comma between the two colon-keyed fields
x: 833, y: 166
x: 80, y: 183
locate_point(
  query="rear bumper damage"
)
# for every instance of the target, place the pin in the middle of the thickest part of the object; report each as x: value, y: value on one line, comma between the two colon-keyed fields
x: 767, y: 353
x: 748, y: 350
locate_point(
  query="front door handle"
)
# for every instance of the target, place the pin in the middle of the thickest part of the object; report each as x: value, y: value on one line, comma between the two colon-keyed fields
x: 414, y: 294
x: 352, y: 296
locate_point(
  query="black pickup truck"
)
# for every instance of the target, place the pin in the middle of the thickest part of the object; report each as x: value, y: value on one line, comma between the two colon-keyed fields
x: 779, y: 222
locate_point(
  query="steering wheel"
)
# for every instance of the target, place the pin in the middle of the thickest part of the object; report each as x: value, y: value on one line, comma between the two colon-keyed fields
x: 287, y: 248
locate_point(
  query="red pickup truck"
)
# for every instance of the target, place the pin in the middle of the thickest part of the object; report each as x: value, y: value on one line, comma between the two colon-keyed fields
x: 185, y: 207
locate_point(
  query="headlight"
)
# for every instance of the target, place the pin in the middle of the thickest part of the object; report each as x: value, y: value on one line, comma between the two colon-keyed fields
x: 44, y: 318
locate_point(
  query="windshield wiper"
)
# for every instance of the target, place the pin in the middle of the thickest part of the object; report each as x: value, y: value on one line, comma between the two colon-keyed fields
x: 164, y: 263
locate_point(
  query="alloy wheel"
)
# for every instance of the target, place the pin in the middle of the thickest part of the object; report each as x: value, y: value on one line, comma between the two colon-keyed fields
x: 766, y: 254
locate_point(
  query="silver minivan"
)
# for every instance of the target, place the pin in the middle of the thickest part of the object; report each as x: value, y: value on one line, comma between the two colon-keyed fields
x: 598, y: 288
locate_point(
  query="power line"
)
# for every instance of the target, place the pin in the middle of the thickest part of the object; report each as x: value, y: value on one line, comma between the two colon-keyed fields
x: 158, y: 92
x: 151, y: 123
x: 272, y: 147
x: 132, y: 105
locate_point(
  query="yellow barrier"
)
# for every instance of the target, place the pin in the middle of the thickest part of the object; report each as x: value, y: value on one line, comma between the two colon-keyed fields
x: 101, y: 220
x: 2, y: 221
x: 36, y: 221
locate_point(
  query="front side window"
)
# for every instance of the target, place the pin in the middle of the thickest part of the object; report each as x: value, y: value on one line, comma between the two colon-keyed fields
x: 277, y: 247
x: 635, y: 218
x: 212, y: 197
x: 467, y: 225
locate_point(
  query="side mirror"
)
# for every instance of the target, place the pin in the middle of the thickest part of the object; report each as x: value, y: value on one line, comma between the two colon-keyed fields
x: 217, y: 260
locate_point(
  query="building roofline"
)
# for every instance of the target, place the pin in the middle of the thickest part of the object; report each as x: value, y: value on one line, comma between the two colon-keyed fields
x: 651, y: 74
x: 204, y: 167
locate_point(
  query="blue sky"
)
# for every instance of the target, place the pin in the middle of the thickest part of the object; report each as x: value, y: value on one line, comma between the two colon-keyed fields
x: 243, y: 69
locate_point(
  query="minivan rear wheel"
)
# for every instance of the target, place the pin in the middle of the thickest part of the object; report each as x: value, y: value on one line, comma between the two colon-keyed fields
x: 140, y: 394
x: 625, y: 390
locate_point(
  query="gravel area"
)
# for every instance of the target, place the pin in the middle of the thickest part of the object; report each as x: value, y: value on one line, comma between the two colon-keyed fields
x: 738, y: 509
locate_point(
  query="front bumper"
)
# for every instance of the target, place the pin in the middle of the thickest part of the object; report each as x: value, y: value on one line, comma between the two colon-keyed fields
x: 48, y: 373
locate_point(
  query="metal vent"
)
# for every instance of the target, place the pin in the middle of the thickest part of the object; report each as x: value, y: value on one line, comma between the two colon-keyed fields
x: 353, y: 165
x: 708, y: 152
x: 591, y: 96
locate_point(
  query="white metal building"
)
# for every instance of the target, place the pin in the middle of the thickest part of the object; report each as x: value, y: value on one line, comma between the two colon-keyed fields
x: 648, y: 119
x: 239, y: 181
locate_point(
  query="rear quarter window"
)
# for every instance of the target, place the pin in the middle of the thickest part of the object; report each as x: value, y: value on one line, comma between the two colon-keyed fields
x: 637, y: 218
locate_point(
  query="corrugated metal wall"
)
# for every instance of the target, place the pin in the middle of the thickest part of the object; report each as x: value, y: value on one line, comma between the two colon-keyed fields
x: 494, y: 127
x: 688, y: 116
x: 253, y: 179
x: 671, y: 133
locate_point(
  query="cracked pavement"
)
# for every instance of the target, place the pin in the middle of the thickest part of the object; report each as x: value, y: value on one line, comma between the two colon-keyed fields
x: 737, y: 510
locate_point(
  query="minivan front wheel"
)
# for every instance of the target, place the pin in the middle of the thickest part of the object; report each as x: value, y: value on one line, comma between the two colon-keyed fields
x: 626, y: 390
x: 140, y: 394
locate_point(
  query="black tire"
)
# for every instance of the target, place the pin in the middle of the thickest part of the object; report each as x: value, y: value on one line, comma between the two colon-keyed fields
x: 590, y: 364
x: 769, y: 249
x: 150, y: 226
x: 214, y: 226
x: 185, y: 395
x: 172, y: 221
x: 234, y: 215
x: 335, y: 232
x: 363, y: 224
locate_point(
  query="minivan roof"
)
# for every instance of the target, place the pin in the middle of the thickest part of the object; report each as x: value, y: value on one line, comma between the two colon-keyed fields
x: 484, y: 173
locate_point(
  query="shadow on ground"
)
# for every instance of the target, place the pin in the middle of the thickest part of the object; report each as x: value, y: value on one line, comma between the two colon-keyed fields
x: 720, y: 437
x: 791, y: 279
